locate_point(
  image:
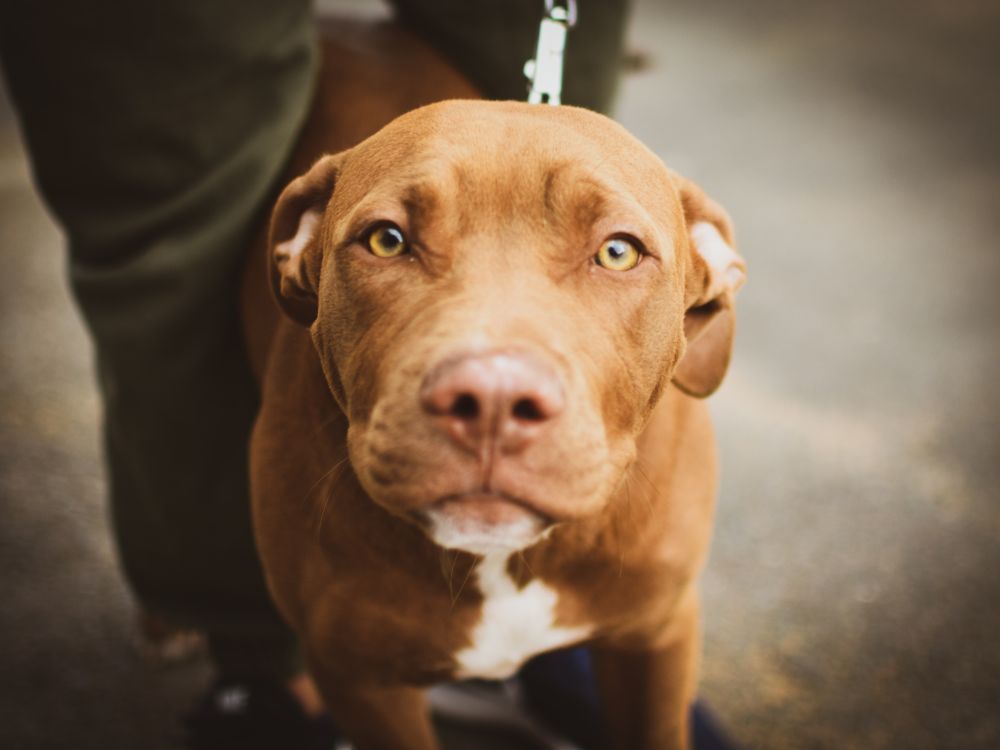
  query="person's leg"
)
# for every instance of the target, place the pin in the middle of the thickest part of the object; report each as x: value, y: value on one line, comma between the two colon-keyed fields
x: 490, y: 40
x: 156, y: 133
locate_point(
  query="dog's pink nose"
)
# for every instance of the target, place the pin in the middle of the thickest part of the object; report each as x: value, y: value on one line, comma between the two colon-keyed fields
x: 501, y: 397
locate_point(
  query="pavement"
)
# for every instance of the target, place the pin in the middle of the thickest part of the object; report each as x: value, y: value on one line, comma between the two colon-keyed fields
x: 853, y: 595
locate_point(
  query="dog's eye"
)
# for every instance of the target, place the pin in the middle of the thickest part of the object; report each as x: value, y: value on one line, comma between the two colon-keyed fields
x: 386, y: 241
x: 618, y: 254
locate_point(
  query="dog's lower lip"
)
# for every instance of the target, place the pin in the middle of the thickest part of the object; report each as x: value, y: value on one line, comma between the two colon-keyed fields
x: 498, y: 498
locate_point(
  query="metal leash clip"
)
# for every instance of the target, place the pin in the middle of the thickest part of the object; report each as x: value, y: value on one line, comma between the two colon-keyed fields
x: 545, y: 71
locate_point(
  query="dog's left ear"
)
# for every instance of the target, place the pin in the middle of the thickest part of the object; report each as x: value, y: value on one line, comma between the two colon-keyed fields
x: 714, y: 273
x: 295, y: 253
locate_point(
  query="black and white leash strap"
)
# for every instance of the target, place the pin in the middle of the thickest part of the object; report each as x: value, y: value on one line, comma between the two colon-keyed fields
x: 545, y: 71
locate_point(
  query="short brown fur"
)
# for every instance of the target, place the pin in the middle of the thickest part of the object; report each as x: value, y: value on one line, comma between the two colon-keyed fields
x: 500, y: 198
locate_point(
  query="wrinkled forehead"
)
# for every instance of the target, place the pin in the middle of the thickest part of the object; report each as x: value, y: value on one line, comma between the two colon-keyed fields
x: 504, y: 160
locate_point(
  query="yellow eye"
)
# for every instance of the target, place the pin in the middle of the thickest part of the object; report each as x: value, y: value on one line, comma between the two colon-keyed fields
x: 387, y: 241
x: 618, y: 254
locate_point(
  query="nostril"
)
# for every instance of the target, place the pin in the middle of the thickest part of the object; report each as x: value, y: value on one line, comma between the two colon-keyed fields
x: 527, y: 409
x: 466, y: 406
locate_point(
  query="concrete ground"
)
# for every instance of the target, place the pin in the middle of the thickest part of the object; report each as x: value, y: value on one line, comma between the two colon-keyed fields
x: 853, y: 596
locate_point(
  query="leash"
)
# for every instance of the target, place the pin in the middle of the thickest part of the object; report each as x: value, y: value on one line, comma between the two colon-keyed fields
x: 545, y: 71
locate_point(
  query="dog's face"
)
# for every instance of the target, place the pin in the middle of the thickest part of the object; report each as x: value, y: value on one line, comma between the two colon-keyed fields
x: 499, y: 294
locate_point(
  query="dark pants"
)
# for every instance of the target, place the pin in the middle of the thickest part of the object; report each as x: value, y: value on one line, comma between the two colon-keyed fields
x: 157, y: 132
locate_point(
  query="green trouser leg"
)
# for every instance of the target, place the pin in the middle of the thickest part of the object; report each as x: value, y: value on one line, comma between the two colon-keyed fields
x: 157, y: 133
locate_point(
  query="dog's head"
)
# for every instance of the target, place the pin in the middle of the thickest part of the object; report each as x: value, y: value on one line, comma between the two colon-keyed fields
x: 499, y: 294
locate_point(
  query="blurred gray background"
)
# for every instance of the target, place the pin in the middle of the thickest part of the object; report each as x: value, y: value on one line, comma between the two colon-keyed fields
x: 853, y: 596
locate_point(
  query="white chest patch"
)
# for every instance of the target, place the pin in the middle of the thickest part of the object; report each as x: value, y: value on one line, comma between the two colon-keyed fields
x: 515, y: 625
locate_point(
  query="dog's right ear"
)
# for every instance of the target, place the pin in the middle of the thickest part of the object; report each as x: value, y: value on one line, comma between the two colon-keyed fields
x: 295, y: 252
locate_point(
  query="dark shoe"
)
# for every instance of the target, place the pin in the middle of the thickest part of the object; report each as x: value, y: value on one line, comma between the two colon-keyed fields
x: 559, y: 689
x: 473, y: 711
x: 255, y: 714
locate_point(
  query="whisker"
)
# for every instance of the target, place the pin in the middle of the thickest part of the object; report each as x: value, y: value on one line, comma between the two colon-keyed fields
x: 618, y: 538
x: 524, y: 560
x: 326, y: 423
x: 327, y: 473
x: 329, y: 496
x: 638, y: 467
x: 475, y: 564
x: 451, y: 563
x: 656, y: 490
x: 322, y: 513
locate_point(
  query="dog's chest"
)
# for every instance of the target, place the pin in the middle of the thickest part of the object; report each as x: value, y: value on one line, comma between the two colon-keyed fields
x: 516, y: 624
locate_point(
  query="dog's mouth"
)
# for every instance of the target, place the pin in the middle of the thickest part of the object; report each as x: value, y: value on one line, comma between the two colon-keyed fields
x: 483, y: 522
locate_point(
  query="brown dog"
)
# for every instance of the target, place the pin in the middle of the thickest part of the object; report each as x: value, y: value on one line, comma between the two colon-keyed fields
x: 478, y: 440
